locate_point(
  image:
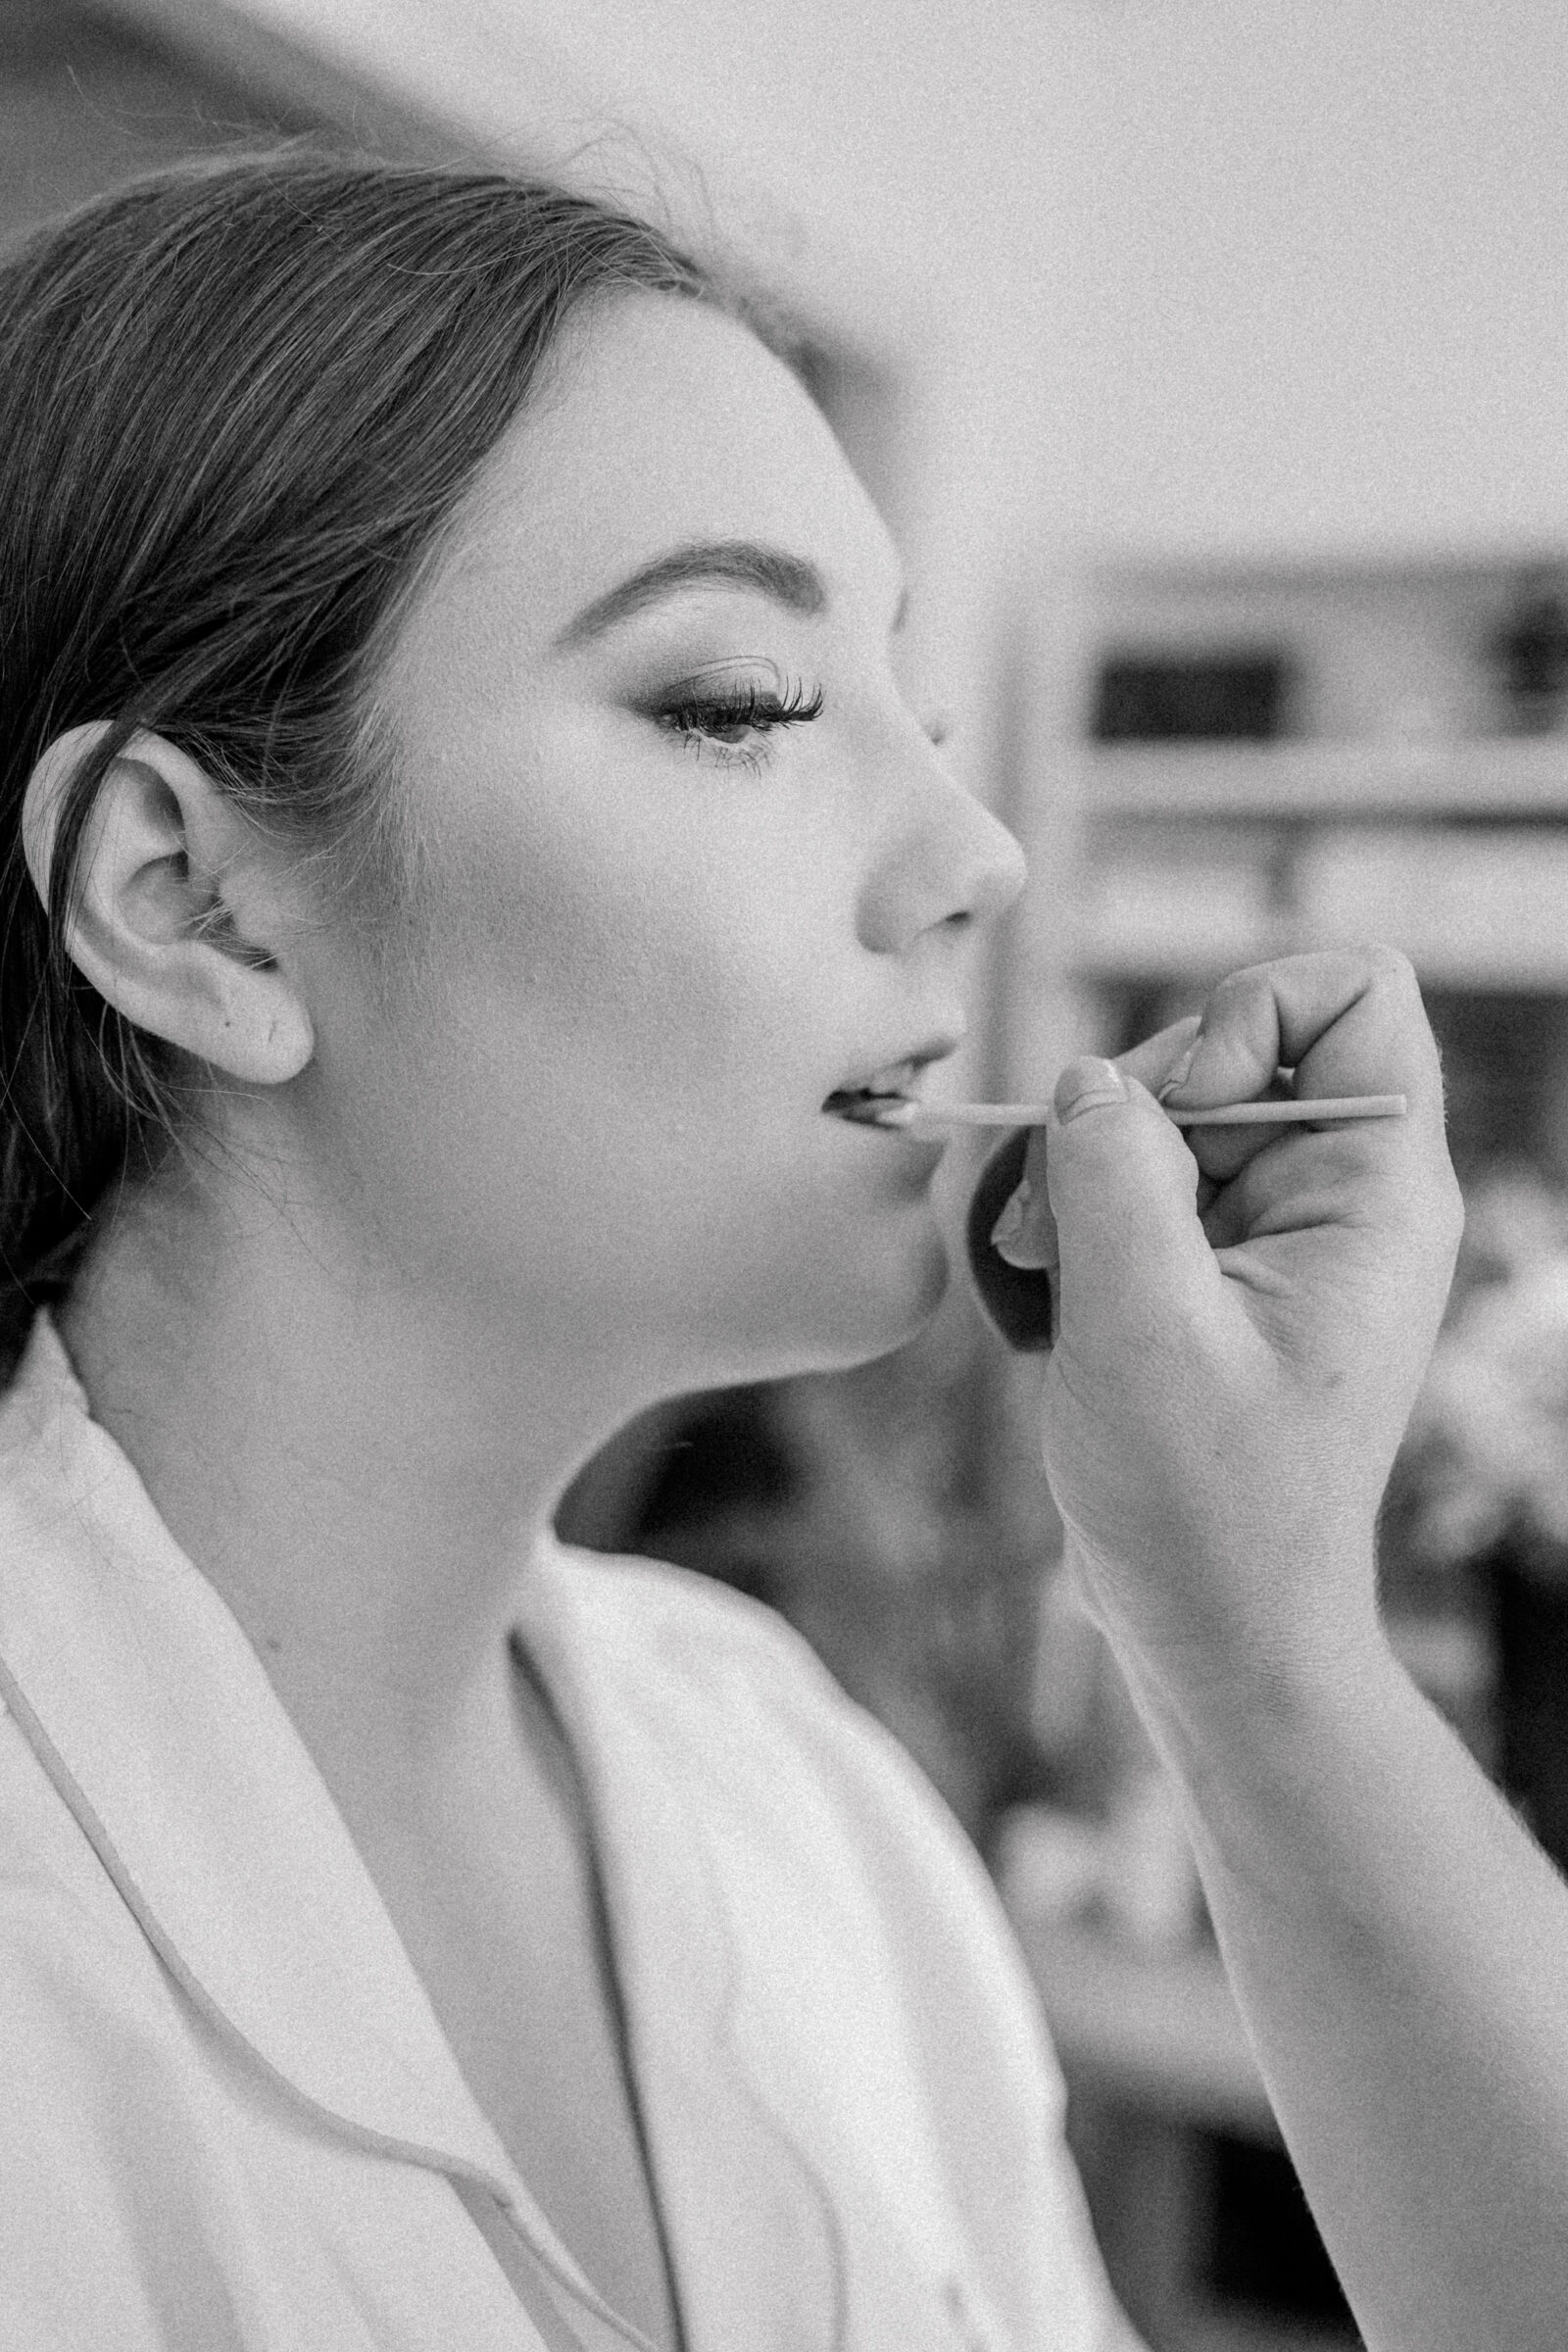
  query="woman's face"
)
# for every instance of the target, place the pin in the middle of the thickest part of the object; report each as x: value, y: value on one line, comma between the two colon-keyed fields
x: 690, y: 865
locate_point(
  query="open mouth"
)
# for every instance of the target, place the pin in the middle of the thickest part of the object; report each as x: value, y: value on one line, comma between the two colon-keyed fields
x: 863, y: 1107
x: 884, y: 1091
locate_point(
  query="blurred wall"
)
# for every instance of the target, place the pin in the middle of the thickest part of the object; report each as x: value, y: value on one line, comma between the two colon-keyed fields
x: 1326, y: 245
x: 89, y: 98
x: 1168, y: 274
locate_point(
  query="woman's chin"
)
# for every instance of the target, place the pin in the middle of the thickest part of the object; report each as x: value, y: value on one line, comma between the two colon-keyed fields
x: 830, y: 1320
x: 926, y: 1287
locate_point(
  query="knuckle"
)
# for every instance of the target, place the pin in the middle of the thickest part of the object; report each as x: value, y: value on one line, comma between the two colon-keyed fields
x: 1392, y: 965
x: 1237, y: 1003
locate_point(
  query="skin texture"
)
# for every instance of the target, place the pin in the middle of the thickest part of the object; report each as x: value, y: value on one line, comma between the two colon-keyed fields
x: 636, y: 938
x: 469, y: 1195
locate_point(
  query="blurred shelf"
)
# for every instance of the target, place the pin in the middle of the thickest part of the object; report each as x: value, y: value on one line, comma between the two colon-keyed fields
x: 1501, y: 969
x: 1158, y: 2033
x: 1478, y: 907
x: 1486, y: 776
x: 1179, y: 950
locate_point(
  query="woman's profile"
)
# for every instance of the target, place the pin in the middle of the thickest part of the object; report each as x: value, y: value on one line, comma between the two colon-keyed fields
x: 466, y: 850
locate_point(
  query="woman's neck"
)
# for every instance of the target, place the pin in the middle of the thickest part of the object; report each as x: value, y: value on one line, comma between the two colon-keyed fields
x: 360, y: 1472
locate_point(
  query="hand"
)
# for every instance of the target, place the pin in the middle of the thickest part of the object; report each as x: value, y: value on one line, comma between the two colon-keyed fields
x: 1241, y: 1319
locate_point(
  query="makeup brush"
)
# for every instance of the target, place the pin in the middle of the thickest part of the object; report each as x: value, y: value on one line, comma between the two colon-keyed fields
x: 1326, y: 1111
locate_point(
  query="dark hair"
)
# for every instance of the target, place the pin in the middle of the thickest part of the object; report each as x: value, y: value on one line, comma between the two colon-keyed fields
x: 238, y: 401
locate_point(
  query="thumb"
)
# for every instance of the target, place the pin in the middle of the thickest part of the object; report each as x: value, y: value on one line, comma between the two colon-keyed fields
x: 1122, y: 1186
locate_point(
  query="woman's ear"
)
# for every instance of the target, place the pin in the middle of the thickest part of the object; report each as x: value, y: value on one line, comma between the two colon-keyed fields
x: 179, y: 918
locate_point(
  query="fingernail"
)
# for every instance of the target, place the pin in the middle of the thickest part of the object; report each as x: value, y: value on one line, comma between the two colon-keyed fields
x: 1008, y: 1227
x: 1179, y: 1074
x: 1088, y: 1085
x: 1023, y: 1236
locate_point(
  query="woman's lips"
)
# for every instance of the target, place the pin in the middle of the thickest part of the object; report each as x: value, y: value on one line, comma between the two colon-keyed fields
x: 862, y: 1107
x: 897, y: 1082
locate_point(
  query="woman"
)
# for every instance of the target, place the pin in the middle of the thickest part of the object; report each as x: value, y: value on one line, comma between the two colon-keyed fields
x: 467, y: 848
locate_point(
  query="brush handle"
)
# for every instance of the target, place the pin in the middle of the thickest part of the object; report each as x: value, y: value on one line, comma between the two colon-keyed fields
x: 1328, y: 1110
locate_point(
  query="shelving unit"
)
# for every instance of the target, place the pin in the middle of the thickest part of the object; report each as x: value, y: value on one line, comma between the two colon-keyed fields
x: 1400, y: 808
x: 1302, y: 780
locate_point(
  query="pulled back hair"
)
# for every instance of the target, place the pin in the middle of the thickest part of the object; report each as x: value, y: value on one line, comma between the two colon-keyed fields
x: 239, y: 400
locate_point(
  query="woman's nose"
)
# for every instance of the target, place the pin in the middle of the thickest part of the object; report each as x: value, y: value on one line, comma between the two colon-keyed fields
x: 947, y: 863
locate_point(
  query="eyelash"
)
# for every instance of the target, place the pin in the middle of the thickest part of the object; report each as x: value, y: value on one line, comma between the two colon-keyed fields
x: 701, y: 720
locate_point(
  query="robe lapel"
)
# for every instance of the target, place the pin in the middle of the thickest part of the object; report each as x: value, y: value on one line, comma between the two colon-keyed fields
x: 781, y: 2238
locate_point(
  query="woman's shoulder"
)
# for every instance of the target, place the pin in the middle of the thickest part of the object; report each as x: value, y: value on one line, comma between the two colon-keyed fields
x: 686, y: 1683
x: 686, y: 1638
x: 866, y: 1931
x: 696, y: 1622
x: 739, y: 1701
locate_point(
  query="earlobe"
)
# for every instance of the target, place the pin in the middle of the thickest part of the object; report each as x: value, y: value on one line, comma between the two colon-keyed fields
x: 153, y: 926
x: 262, y: 1031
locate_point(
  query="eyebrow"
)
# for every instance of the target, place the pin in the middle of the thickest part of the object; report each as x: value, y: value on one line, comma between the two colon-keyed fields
x: 788, y: 579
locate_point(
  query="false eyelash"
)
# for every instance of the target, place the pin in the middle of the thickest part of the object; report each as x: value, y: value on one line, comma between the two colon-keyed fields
x: 749, y: 709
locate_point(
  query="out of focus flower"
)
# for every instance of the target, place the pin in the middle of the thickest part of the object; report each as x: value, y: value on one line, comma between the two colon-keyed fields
x: 1485, y: 1461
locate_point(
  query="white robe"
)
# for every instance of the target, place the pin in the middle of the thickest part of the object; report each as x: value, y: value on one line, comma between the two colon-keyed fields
x: 228, y: 2117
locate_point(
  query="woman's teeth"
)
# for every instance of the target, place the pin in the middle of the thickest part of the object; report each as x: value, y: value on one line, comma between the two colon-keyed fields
x: 864, y: 1108
x: 880, y: 1092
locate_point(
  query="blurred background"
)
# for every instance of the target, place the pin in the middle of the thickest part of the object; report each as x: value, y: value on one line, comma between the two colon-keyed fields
x: 1209, y: 360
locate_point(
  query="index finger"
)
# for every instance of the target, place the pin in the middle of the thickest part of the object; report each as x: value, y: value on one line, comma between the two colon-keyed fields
x: 1346, y: 1021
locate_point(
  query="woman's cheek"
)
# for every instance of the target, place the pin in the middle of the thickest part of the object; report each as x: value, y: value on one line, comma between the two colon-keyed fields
x: 652, y: 951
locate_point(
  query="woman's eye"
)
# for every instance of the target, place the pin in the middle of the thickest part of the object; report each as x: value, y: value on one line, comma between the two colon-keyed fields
x: 737, y: 724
